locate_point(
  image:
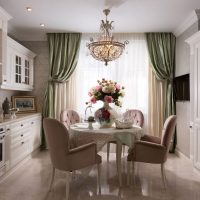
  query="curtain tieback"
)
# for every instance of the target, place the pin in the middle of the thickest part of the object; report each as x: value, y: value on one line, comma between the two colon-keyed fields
x: 170, y: 80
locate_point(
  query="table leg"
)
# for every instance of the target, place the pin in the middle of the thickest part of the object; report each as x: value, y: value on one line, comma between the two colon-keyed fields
x: 118, y: 161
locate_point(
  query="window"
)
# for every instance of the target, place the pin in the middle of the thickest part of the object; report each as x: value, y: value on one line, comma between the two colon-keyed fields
x: 130, y: 71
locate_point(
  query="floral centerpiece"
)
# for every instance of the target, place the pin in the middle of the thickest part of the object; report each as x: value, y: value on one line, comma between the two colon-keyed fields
x: 109, y: 92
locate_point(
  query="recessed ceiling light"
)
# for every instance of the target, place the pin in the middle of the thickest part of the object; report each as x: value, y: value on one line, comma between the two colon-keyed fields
x: 29, y: 9
x: 42, y: 24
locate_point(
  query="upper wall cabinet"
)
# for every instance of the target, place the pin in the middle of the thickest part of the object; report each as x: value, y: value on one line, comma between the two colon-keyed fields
x: 19, y: 70
x: 4, y: 17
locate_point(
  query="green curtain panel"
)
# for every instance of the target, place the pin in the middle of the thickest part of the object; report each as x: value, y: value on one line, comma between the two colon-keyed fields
x: 63, y: 58
x: 161, y: 48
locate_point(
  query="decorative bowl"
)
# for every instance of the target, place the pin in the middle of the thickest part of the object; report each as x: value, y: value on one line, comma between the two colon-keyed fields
x: 123, y: 124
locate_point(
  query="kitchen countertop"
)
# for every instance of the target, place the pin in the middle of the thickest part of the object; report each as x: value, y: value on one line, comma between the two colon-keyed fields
x: 19, y: 117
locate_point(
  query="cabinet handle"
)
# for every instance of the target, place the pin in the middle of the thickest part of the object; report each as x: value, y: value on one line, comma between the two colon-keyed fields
x: 4, y: 80
x: 190, y: 126
x: 22, y: 125
x: 32, y: 122
x: 8, y: 129
x: 22, y: 135
x: 22, y: 142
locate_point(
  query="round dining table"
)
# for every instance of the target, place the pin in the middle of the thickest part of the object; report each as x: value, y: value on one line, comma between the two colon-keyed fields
x: 101, y: 136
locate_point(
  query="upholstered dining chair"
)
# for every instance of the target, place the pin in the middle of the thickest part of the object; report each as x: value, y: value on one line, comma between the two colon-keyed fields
x: 66, y: 159
x: 68, y: 117
x: 152, y: 149
x: 137, y: 118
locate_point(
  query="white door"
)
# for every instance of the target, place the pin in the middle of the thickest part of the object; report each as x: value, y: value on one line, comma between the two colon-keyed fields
x: 196, y: 96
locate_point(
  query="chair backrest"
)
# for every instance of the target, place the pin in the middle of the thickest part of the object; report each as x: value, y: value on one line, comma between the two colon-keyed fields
x: 136, y: 115
x: 57, y: 138
x: 68, y: 117
x: 168, y: 131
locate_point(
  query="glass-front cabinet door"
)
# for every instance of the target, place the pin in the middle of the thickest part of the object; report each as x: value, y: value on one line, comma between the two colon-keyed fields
x: 18, y: 69
x: 27, y: 72
x: 22, y: 70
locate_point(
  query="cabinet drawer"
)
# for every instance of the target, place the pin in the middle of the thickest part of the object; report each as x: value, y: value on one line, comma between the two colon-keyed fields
x: 19, y: 126
x: 35, y: 120
x: 19, y: 143
x: 19, y: 136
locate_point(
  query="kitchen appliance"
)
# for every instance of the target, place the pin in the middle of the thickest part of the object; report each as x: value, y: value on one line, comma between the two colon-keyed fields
x: 2, y: 145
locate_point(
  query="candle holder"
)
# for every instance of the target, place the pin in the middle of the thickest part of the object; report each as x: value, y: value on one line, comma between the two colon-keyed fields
x: 13, y: 112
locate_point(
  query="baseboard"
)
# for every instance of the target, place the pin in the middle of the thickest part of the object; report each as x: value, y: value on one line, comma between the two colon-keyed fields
x: 181, y: 155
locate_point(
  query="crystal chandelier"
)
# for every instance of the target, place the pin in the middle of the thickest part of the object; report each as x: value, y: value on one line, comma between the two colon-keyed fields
x: 105, y: 48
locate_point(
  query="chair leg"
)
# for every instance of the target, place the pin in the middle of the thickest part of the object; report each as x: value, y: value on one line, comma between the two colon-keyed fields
x: 128, y: 172
x: 52, y: 179
x: 67, y: 184
x: 163, y: 175
x: 99, y: 177
x: 133, y: 172
x: 123, y: 150
x: 108, y: 151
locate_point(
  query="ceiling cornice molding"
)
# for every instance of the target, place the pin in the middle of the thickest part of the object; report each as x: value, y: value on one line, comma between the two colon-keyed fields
x: 4, y: 15
x: 189, y: 21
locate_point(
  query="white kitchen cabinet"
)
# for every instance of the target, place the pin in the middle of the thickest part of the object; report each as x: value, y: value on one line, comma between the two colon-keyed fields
x: 194, y: 42
x: 4, y: 17
x: 19, y: 141
x: 22, y: 137
x: 16, y: 61
x: 20, y: 67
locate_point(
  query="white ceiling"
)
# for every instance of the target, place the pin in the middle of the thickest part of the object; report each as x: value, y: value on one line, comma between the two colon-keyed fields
x: 85, y: 15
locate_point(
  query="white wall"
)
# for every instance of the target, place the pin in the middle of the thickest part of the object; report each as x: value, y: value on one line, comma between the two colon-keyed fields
x: 183, y: 130
x: 8, y: 94
x: 183, y: 51
x: 183, y: 108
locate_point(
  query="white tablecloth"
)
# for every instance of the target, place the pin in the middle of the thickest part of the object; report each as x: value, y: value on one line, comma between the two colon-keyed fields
x: 80, y: 132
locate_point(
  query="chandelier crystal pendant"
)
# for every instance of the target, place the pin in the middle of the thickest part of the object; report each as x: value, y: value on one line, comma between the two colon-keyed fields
x: 105, y: 48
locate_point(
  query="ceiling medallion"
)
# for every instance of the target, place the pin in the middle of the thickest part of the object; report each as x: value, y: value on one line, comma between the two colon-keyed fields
x: 105, y: 48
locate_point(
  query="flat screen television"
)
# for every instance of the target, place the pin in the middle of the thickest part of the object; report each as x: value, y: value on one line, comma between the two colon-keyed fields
x: 182, y: 88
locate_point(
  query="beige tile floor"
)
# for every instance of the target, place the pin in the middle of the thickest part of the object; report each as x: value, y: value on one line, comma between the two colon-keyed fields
x: 30, y: 182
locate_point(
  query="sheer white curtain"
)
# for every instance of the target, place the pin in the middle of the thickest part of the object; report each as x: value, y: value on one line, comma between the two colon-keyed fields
x: 130, y: 71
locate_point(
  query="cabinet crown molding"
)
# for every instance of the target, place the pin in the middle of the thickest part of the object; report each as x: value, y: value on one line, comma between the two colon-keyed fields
x: 20, y: 48
x: 189, y: 21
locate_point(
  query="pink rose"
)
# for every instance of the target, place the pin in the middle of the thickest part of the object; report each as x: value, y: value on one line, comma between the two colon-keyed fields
x: 98, y: 88
x: 90, y: 94
x: 117, y: 86
x: 93, y: 100
x: 108, y: 99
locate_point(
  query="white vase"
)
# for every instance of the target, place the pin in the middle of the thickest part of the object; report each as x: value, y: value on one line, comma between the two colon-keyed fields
x: 105, y: 116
